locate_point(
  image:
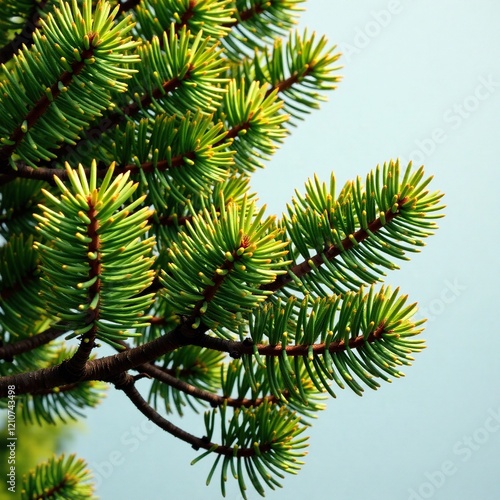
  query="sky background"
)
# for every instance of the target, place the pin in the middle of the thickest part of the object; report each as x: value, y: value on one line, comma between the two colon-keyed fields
x: 421, y: 82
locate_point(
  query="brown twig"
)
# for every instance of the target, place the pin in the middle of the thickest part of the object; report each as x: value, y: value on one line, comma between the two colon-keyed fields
x: 41, y: 106
x: 331, y: 252
x: 8, y: 351
x: 126, y: 384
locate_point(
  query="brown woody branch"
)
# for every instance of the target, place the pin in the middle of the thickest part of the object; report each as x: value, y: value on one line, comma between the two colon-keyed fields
x: 126, y: 384
x: 164, y: 376
x: 8, y: 351
x: 97, y: 369
x: 47, y: 174
x: 112, y: 366
x: 76, y: 365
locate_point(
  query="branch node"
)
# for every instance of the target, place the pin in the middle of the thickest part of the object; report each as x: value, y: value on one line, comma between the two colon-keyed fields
x: 248, y: 342
x: 204, y: 439
x: 141, y: 375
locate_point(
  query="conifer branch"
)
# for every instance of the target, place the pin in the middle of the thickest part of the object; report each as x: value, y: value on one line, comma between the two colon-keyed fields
x: 127, y: 385
x: 8, y: 351
x: 287, y: 83
x: 118, y: 117
x: 217, y: 280
x: 47, y: 174
x: 44, y: 102
x: 130, y: 110
x: 76, y: 365
x: 164, y: 375
x: 333, y: 251
x: 236, y: 349
x: 97, y: 369
x: 159, y: 118
x: 182, y: 335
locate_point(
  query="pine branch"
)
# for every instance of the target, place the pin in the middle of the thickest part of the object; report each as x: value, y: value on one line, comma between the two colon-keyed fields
x: 8, y: 351
x: 164, y: 376
x: 107, y: 368
x: 62, y: 477
x: 132, y: 109
x: 40, y: 107
x: 152, y: 214
x: 98, y: 369
x: 217, y: 280
x: 47, y: 174
x: 118, y: 117
x: 127, y: 385
x: 75, y: 47
x: 76, y: 365
x: 289, y: 82
x: 236, y: 349
x: 333, y: 251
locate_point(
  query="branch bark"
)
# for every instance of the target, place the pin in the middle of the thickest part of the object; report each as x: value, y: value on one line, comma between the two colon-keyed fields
x: 332, y: 251
x: 110, y: 367
x: 126, y: 384
x: 8, y: 351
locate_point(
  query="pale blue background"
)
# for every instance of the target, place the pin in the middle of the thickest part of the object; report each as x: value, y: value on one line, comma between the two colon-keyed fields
x: 402, y: 83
